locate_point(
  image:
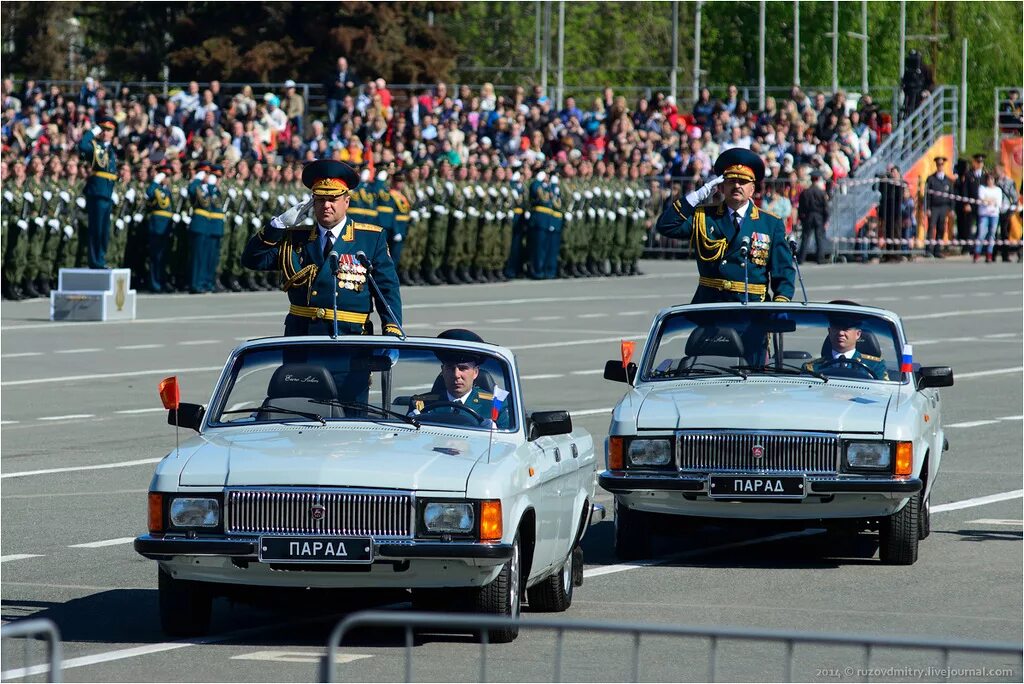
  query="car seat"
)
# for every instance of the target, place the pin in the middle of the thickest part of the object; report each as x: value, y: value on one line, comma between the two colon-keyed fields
x: 293, y: 385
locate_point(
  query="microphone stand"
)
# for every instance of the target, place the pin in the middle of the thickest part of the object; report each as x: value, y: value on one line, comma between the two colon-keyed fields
x: 744, y: 250
x: 332, y: 259
x: 365, y: 262
x: 796, y: 263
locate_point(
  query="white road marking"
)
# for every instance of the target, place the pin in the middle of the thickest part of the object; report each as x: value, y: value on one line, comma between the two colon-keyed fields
x: 9, y: 422
x: 592, y: 371
x: 128, y: 347
x: 102, y: 466
x: 978, y: 501
x: 634, y: 313
x: 958, y: 313
x: 972, y: 423
x: 886, y: 299
x: 996, y: 521
x: 503, y: 320
x: 952, y: 295
x: 105, y: 542
x: 1000, y: 335
x: 192, y: 343
x: 19, y: 556
x: 1012, y: 418
x: 298, y: 657
x: 591, y: 412
x: 576, y: 343
x: 105, y: 376
x: 85, y: 350
x: 145, y: 410
x: 592, y: 315
x: 445, y: 324
x: 546, y: 318
x: 541, y: 376
x: 68, y: 417
x: 985, y: 373
x: 20, y: 355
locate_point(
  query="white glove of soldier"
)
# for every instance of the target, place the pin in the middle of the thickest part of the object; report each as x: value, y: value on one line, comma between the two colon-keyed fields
x: 65, y: 197
x: 69, y: 232
x: 96, y: 130
x: 114, y: 198
x: 211, y: 180
x: 232, y: 193
x: 47, y: 195
x: 699, y: 195
x: 200, y: 176
x: 80, y: 202
x: 130, y: 195
x: 159, y: 178
x: 293, y: 216
x: 248, y: 193
x: 397, y: 238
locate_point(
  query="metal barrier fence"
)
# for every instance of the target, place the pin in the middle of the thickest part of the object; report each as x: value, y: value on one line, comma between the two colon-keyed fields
x: 35, y: 629
x: 788, y: 639
x: 1007, y: 121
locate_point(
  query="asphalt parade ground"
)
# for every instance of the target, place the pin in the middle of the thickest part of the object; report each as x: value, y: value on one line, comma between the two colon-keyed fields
x: 82, y: 429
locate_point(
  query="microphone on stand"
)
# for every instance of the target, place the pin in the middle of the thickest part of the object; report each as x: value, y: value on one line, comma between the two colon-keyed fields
x: 796, y: 263
x: 364, y: 261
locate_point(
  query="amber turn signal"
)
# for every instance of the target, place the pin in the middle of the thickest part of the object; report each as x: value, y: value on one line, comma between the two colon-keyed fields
x: 904, y: 458
x: 490, y: 521
x: 156, y: 512
x: 615, y: 453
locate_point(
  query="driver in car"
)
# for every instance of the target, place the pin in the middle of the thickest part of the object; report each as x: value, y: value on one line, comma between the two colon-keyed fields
x: 460, y: 371
x: 843, y: 334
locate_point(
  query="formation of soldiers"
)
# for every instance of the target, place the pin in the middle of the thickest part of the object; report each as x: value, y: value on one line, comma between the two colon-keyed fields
x: 445, y: 224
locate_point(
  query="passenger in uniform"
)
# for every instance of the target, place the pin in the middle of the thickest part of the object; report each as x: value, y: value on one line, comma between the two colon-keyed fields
x: 101, y: 160
x: 303, y: 257
x: 844, y: 332
x: 716, y: 233
x: 158, y: 223
x: 461, y: 381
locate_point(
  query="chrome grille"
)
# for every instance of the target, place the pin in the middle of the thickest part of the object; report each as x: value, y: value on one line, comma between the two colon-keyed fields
x: 345, y: 512
x: 783, y: 451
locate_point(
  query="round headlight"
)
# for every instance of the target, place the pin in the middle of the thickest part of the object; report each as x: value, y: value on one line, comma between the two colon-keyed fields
x: 195, y: 512
x: 873, y: 455
x: 448, y: 517
x: 650, y: 452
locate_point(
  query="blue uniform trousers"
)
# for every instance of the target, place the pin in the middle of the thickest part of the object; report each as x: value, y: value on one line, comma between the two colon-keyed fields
x: 98, y: 210
x: 159, y: 245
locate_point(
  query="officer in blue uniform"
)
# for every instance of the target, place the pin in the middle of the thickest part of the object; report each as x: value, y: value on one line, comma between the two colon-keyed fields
x: 545, y: 227
x: 99, y: 157
x: 720, y: 233
x: 304, y: 257
x: 841, y: 351
x: 403, y: 211
x: 205, y: 229
x: 460, y: 375
x: 158, y: 222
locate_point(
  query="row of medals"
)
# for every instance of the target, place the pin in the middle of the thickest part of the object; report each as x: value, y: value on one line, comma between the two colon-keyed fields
x: 351, y: 275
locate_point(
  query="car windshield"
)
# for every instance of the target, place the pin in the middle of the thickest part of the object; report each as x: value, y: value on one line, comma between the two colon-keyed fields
x: 329, y: 382
x: 740, y: 342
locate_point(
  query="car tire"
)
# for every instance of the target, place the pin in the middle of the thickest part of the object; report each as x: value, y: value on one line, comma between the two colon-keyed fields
x: 185, y: 606
x: 554, y: 593
x: 502, y: 596
x: 632, y: 535
x: 925, y: 518
x: 898, y: 534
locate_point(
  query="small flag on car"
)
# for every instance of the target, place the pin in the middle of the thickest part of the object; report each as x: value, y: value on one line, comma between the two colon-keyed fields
x: 907, y: 364
x: 626, y: 348
x: 498, y: 402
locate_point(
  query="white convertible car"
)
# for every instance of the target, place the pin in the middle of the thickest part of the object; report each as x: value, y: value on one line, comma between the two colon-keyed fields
x: 796, y: 412
x: 341, y: 464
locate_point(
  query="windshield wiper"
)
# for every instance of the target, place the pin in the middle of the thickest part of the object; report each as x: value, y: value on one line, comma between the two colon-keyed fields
x: 735, y: 370
x: 786, y: 368
x: 278, y: 409
x: 362, y: 405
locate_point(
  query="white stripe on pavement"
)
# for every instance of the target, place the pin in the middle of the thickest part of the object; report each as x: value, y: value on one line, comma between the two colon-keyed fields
x: 978, y: 501
x: 592, y: 371
x: 191, y: 343
x: 19, y: 556
x: 985, y: 373
x: 957, y: 314
x: 102, y: 466
x: 101, y: 544
x: 128, y: 347
x: 85, y: 350
x: 69, y: 417
x: 145, y: 410
x: 996, y: 521
x: 20, y: 355
x: 972, y: 423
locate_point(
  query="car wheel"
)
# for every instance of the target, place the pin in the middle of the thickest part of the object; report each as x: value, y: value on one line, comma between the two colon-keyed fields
x: 925, y: 518
x: 554, y: 593
x: 632, y: 536
x: 184, y: 606
x: 502, y: 596
x: 898, y: 534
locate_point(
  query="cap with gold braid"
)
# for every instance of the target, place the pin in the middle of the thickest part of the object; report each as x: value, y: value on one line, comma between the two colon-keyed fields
x: 329, y: 178
x: 107, y: 123
x: 739, y: 164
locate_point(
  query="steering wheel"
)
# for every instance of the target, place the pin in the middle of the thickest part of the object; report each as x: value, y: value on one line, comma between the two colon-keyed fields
x: 859, y: 368
x: 455, y: 405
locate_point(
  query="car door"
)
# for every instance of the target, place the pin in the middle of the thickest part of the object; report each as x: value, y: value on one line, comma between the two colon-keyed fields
x: 549, y: 476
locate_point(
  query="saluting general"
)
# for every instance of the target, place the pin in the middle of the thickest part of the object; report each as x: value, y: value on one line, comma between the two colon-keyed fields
x: 303, y: 255
x: 716, y: 233
x: 99, y: 157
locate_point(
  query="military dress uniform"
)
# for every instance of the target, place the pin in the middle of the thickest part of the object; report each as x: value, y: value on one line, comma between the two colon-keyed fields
x: 101, y: 161
x: 305, y: 265
x: 477, y: 400
x: 717, y: 241
x: 399, y: 226
x: 205, y: 232
x: 873, y: 363
x: 158, y: 233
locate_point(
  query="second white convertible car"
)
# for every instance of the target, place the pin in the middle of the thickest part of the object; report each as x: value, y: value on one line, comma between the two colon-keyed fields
x: 344, y: 464
x: 796, y: 412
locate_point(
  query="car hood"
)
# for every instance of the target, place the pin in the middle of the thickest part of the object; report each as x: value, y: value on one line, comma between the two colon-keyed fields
x: 760, y: 404
x: 335, y: 457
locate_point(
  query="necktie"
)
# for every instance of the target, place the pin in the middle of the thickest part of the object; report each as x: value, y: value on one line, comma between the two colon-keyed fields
x: 328, y: 243
x: 737, y: 221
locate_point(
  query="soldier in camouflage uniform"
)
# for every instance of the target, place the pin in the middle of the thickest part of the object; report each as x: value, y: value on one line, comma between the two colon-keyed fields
x: 30, y: 254
x: 120, y: 217
x: 437, y: 225
x: 18, y: 202
x: 415, y: 240
x: 71, y: 251
x: 136, y: 244
x: 177, y: 253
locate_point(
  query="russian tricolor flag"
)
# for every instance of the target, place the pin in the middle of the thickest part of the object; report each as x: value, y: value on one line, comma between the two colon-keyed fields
x: 907, y: 363
x: 498, y: 402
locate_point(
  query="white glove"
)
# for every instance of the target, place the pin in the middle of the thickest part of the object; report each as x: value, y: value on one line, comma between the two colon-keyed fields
x: 47, y: 195
x: 120, y: 224
x: 186, y: 219
x: 200, y: 176
x: 248, y: 193
x: 138, y: 217
x: 54, y: 225
x: 460, y: 215
x: 479, y: 192
x: 630, y: 193
x: 382, y: 176
x: 96, y: 130
x: 264, y: 195
x: 554, y: 180
x: 232, y: 193
x: 467, y: 191
x: 588, y: 194
x: 115, y: 198
x: 414, y: 215
x: 211, y: 180
x: 516, y: 176
x: 450, y: 187
x: 488, y: 216
x: 420, y: 195
x: 397, y: 238
x: 176, y: 217
x: 576, y: 195
x: 504, y: 191
x: 699, y: 195
x: 430, y: 191
x: 608, y: 193
x: 23, y: 224
x: 238, y: 220
x: 257, y: 222
x: 130, y: 195
x: 618, y: 196
x: 39, y: 221
x: 69, y: 232
x: 501, y: 216
x: 541, y: 176
x: 8, y: 195
x: 293, y: 216
x: 159, y: 178
x: 80, y: 202
x: 472, y: 212
x: 64, y: 196
x: 183, y: 192
x: 567, y: 216
x: 291, y: 198
x: 29, y: 197
x: 492, y: 191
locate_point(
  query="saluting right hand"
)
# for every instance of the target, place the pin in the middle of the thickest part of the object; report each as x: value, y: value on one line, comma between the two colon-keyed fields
x: 294, y: 215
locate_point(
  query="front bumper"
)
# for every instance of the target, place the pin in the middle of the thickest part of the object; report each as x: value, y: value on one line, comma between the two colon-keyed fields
x: 620, y: 483
x: 245, y: 548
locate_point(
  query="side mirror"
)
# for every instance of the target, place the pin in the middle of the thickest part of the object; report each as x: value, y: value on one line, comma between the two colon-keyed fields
x: 187, y: 416
x: 934, y: 376
x: 549, y: 423
x: 614, y: 371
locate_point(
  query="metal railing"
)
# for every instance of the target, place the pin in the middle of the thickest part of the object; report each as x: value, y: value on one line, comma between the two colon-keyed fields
x: 853, y: 198
x: 788, y: 639
x: 1006, y: 115
x: 38, y: 628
